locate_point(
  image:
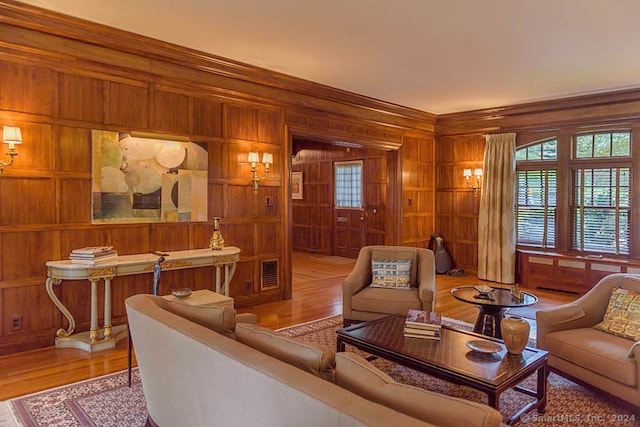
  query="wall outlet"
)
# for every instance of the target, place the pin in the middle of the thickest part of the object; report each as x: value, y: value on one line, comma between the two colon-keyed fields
x: 16, y: 323
x: 248, y: 286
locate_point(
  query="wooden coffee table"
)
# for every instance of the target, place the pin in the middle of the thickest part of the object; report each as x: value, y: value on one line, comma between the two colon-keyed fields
x: 451, y: 360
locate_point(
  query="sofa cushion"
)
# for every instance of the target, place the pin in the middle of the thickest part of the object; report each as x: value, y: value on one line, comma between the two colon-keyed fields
x: 392, y: 254
x: 393, y: 274
x: 317, y: 359
x: 355, y: 374
x: 219, y: 319
x: 622, y: 317
x: 600, y: 352
x: 390, y: 301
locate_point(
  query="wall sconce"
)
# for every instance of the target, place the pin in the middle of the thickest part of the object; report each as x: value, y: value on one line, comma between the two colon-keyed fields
x: 473, y: 179
x: 10, y: 135
x: 254, y: 158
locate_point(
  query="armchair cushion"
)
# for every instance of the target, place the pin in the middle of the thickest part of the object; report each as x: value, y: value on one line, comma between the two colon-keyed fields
x: 622, y: 317
x: 398, y: 253
x: 596, y: 351
x: 393, y: 274
x: 357, y: 375
x: 316, y: 359
x: 380, y: 300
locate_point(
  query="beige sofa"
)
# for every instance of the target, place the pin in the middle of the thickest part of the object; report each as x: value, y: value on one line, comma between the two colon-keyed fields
x: 587, y: 355
x: 192, y: 375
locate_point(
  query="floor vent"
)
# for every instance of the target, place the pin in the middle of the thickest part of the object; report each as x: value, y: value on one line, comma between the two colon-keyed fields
x: 269, y: 274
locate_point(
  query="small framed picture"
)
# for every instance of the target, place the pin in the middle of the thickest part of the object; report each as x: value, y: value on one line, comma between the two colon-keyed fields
x: 296, y: 185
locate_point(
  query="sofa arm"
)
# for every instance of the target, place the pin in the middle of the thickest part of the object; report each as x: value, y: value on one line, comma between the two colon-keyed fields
x: 569, y: 316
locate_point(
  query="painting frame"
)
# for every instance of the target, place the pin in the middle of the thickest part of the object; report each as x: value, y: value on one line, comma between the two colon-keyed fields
x: 296, y: 185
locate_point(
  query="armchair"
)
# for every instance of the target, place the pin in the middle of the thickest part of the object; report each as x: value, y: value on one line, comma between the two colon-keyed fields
x: 587, y: 355
x: 363, y: 302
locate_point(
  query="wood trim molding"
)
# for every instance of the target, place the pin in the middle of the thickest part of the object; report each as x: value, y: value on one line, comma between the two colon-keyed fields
x: 56, y: 24
x: 605, y: 108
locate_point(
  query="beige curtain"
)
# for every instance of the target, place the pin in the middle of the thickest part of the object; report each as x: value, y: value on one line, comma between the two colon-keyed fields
x: 497, y: 223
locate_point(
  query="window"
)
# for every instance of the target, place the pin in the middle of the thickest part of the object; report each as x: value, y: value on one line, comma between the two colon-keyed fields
x: 536, y: 194
x: 348, y: 184
x: 601, y: 196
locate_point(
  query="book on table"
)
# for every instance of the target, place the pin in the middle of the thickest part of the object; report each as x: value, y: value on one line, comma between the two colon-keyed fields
x: 93, y: 255
x: 418, y: 319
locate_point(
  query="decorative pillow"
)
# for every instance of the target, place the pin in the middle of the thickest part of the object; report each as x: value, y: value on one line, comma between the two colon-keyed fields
x: 391, y: 273
x: 359, y: 376
x: 317, y: 359
x: 219, y: 319
x: 622, y: 317
x: 396, y: 253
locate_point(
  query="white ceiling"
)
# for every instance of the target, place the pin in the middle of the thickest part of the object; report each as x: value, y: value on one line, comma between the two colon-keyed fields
x: 438, y: 56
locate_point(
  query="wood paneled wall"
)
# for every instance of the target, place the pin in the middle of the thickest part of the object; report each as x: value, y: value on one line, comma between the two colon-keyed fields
x: 313, y: 216
x: 61, y: 77
x: 418, y: 189
x: 457, y: 208
x: 460, y: 144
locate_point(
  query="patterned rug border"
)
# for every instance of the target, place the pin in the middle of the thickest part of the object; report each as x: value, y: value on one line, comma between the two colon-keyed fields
x: 67, y: 401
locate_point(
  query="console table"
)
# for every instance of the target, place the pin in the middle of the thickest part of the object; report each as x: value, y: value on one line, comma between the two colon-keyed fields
x: 125, y: 265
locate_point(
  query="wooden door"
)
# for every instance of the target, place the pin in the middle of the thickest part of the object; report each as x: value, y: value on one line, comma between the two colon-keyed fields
x: 350, y: 232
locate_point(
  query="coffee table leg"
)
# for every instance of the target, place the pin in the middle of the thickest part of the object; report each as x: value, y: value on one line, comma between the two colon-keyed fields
x: 541, y: 390
x: 494, y: 400
x: 340, y: 346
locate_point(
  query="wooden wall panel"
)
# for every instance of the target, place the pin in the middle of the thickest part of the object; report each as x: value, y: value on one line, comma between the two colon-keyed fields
x: 418, y: 185
x: 313, y: 216
x: 70, y: 239
x: 28, y: 89
x: 23, y: 254
x: 40, y: 315
x: 74, y: 192
x: 73, y: 149
x: 240, y: 122
x: 456, y: 207
x: 242, y: 236
x: 169, y: 237
x: 38, y: 208
x: 129, y: 239
x: 207, y: 117
x: 269, y: 126
x: 80, y: 98
x: 128, y: 105
x: 36, y: 148
x: 171, y: 112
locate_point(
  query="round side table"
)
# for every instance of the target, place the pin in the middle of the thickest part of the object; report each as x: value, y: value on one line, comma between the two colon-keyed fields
x: 492, y: 308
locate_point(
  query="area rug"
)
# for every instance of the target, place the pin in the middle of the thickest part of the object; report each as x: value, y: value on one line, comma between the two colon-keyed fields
x: 107, y: 401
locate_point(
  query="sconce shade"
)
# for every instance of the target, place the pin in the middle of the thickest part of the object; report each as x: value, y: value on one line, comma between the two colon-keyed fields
x: 467, y: 172
x: 478, y: 172
x: 267, y: 158
x: 253, y: 157
x: 11, y: 135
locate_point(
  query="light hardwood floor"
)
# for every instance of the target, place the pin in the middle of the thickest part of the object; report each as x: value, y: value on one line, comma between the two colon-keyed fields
x: 317, y: 293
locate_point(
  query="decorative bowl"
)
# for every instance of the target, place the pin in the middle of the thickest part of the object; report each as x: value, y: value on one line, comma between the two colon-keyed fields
x: 484, y: 289
x: 181, y: 293
x: 484, y: 346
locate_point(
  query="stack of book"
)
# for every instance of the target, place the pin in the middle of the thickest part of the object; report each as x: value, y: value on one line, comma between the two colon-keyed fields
x: 423, y: 324
x: 93, y: 255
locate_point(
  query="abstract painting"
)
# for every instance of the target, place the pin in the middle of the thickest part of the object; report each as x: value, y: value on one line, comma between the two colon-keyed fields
x: 147, y: 178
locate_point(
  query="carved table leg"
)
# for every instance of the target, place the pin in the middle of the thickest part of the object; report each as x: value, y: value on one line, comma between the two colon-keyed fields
x: 94, y: 334
x: 72, y: 322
